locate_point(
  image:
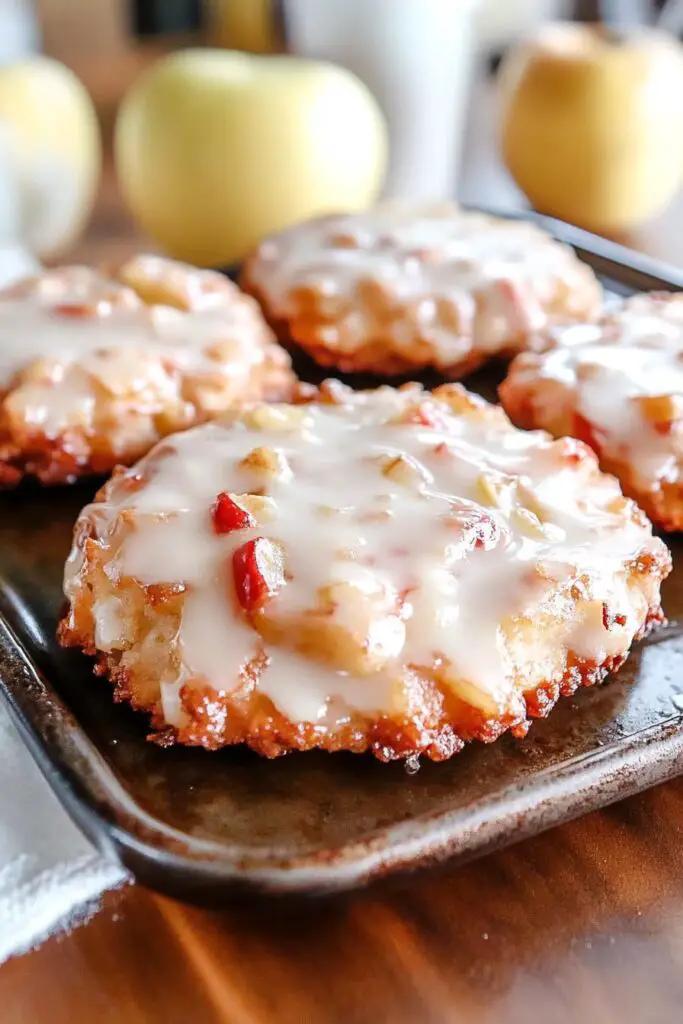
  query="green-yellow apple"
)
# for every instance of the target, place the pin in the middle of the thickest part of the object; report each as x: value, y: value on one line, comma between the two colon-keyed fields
x: 215, y: 149
x: 49, y: 153
x: 592, y: 123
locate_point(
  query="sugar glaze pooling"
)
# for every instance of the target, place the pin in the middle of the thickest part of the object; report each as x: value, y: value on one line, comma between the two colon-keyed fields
x: 411, y: 537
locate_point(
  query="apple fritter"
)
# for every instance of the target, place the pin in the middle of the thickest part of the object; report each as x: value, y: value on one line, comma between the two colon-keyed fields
x: 95, y: 366
x: 406, y: 287
x: 618, y: 385
x: 391, y: 570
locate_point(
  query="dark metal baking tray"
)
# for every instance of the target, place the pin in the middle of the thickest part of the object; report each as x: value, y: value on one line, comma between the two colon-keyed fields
x: 210, y: 825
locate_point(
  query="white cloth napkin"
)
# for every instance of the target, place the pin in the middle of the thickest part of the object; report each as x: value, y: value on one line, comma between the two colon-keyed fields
x: 50, y: 875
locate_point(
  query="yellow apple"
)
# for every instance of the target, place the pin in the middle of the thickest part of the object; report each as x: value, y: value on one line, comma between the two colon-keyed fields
x: 592, y: 123
x: 216, y: 149
x: 49, y: 152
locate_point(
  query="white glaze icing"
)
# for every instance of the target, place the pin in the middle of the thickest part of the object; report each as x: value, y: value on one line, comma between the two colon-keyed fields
x: 72, y: 334
x: 500, y: 279
x: 388, y: 549
x: 634, y: 353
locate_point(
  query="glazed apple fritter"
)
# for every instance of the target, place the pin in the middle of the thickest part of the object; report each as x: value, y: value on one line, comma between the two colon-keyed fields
x: 95, y: 367
x: 406, y: 287
x: 393, y: 570
x: 618, y: 385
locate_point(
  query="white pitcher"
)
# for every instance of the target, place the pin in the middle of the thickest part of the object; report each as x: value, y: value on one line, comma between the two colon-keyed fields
x: 416, y: 57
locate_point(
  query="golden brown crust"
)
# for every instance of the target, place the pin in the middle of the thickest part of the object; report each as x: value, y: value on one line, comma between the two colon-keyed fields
x: 100, y: 424
x: 441, y: 729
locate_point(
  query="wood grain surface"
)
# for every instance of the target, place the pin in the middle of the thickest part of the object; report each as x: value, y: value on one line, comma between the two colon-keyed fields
x: 581, y: 924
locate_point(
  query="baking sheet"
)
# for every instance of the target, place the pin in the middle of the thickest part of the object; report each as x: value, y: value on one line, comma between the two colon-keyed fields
x: 207, y: 825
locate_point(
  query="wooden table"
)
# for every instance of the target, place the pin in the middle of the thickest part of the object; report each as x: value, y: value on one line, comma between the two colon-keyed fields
x: 584, y: 923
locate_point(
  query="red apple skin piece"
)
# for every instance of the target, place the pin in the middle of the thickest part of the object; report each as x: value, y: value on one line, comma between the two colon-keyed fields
x: 227, y: 516
x: 258, y: 572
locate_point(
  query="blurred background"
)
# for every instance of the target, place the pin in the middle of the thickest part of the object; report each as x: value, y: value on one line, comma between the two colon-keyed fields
x: 573, y: 108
